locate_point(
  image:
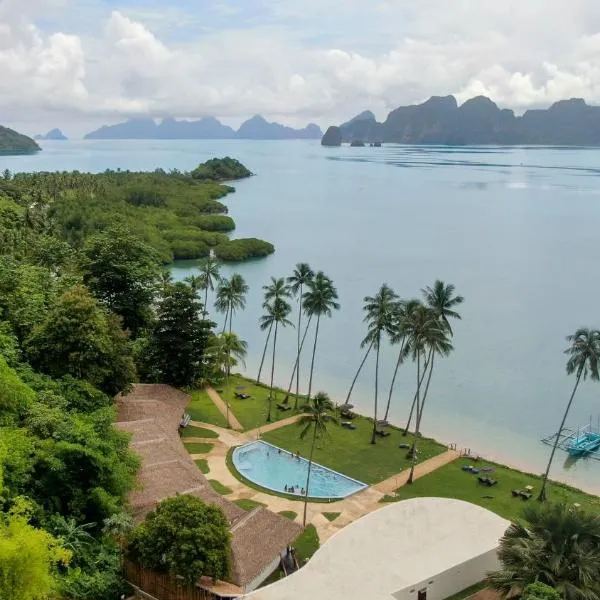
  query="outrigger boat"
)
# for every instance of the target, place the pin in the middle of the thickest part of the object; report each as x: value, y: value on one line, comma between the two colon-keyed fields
x: 583, y: 443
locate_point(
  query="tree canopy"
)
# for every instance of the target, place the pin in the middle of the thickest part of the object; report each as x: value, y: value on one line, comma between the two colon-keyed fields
x: 184, y: 537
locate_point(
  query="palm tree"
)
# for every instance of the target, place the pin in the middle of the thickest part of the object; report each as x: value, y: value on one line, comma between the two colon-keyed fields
x: 277, y: 289
x: 316, y: 417
x: 320, y: 300
x: 301, y: 276
x: 228, y: 350
x: 584, y: 354
x: 425, y: 335
x: 402, y: 309
x: 557, y: 545
x: 440, y: 298
x: 276, y: 315
x: 210, y: 276
x: 231, y: 296
x: 379, y: 317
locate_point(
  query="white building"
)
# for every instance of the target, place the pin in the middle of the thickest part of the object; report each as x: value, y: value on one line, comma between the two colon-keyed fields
x: 419, y: 549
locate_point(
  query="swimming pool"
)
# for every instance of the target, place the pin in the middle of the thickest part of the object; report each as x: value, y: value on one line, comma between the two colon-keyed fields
x: 274, y: 469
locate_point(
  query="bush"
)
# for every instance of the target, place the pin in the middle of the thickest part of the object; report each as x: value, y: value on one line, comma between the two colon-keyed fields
x: 540, y: 591
x: 237, y: 250
x: 215, y: 223
x: 143, y: 197
x: 221, y: 169
x: 183, y: 250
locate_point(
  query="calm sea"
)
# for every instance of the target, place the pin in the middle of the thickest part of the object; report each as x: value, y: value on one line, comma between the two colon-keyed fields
x: 515, y: 229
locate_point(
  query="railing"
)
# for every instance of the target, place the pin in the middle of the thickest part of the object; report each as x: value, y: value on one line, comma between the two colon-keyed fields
x: 162, y: 586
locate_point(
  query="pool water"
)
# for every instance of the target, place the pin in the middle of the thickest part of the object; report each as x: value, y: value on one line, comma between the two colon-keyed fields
x: 274, y: 469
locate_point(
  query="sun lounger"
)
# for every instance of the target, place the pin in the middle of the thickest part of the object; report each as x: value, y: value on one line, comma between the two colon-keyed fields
x: 348, y: 415
x: 382, y: 423
x: 522, y: 494
x: 348, y: 425
x: 283, y: 407
x: 185, y: 420
x: 404, y: 446
x: 382, y: 433
x: 487, y: 481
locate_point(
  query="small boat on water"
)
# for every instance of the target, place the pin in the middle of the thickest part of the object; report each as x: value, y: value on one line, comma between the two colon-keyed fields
x: 584, y: 443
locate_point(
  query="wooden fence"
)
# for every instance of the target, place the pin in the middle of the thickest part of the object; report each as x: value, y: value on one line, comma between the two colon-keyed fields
x: 162, y: 586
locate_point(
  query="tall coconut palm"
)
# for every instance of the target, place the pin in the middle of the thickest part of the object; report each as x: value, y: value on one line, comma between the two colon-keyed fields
x: 210, y: 276
x: 320, y: 300
x: 379, y: 317
x: 441, y: 299
x: 558, y: 545
x: 227, y: 350
x: 276, y: 316
x: 425, y: 336
x: 584, y: 354
x: 275, y: 290
x: 231, y: 296
x: 402, y: 309
x: 301, y: 276
x: 316, y: 417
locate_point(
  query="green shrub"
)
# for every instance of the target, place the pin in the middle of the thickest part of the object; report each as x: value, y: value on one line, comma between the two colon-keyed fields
x: 243, y: 249
x: 215, y: 223
x: 183, y: 250
x: 221, y: 169
x: 144, y: 197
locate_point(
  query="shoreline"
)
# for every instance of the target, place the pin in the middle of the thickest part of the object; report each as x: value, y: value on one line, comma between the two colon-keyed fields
x: 490, y: 457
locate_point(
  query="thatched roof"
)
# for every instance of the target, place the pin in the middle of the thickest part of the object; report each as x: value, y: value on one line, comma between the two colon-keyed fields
x: 152, y: 414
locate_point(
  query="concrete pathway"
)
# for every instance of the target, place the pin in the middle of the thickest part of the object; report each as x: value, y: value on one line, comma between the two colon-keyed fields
x: 222, y: 406
x: 390, y: 485
x: 256, y: 433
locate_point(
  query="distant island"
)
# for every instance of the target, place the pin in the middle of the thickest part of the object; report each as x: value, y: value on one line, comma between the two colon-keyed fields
x: 440, y: 120
x: 208, y: 128
x: 12, y: 142
x: 221, y: 169
x: 53, y: 134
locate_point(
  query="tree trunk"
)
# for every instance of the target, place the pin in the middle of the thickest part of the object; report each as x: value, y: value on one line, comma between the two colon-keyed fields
x: 262, y: 360
x: 206, y: 301
x: 414, y: 402
x: 272, y: 372
x: 296, y: 365
x: 310, y: 460
x: 362, y: 364
x: 414, y: 445
x: 429, y: 362
x: 312, y: 362
x: 542, y: 495
x: 387, y: 408
x: 230, y: 318
x: 226, y: 316
x: 376, y: 389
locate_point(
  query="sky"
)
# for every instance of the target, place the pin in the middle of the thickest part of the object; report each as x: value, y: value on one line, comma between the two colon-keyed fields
x: 77, y: 64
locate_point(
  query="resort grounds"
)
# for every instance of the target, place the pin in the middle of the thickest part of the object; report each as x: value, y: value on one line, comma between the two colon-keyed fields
x: 384, y: 466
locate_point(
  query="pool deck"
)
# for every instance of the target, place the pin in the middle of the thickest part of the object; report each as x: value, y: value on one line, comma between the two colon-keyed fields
x: 351, y: 508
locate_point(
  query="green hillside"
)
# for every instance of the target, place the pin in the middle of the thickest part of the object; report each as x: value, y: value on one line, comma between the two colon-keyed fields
x: 12, y: 142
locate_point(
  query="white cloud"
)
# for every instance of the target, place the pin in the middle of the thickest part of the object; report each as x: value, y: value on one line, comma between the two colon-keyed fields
x: 325, y: 61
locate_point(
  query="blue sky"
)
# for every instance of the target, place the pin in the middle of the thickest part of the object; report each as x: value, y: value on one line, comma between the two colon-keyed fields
x: 88, y: 62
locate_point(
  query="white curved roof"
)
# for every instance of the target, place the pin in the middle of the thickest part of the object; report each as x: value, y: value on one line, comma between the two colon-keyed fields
x: 392, y: 548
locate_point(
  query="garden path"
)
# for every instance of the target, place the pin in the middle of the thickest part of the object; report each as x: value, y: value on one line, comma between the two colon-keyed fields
x: 222, y: 406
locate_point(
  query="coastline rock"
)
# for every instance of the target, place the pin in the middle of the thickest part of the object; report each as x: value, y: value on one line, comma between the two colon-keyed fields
x: 440, y: 120
x: 53, y: 134
x: 12, y: 142
x: 332, y: 137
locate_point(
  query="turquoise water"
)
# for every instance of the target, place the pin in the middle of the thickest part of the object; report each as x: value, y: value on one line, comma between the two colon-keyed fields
x: 274, y: 469
x: 515, y: 229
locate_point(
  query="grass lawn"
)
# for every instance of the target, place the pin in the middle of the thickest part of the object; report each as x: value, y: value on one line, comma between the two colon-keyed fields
x: 451, y: 481
x: 202, y: 408
x: 198, y: 447
x: 219, y: 487
x: 351, y: 453
x: 198, y: 432
x: 202, y: 464
x: 467, y: 592
x: 331, y: 516
x: 252, y: 412
x: 248, y: 504
x: 288, y: 514
x: 306, y: 544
